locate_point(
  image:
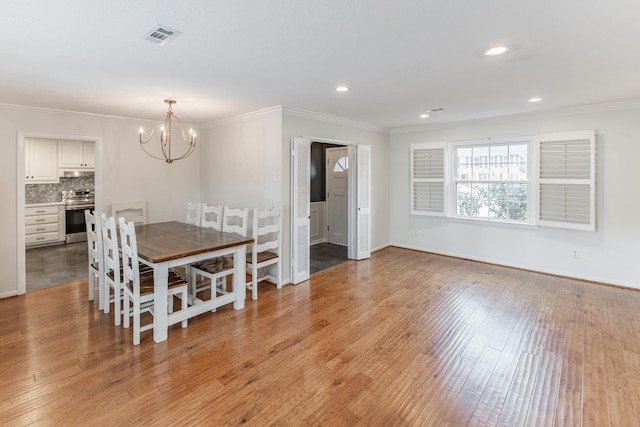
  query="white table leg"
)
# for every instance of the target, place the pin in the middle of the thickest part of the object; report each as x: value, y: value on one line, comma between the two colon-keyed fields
x: 160, y: 285
x: 239, y: 277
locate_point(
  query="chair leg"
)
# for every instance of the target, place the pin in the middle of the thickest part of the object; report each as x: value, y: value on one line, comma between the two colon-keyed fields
x: 106, y: 298
x: 91, y: 284
x: 97, y: 284
x: 254, y: 283
x: 193, y: 283
x: 184, y: 298
x: 127, y: 315
x: 136, y: 323
x: 279, y: 275
x: 117, y: 311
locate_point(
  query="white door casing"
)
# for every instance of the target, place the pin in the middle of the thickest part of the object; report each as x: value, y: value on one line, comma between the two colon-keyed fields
x: 337, y: 195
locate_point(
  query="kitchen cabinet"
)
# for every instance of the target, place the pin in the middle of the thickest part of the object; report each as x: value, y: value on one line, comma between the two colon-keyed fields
x: 44, y: 223
x: 76, y: 155
x: 41, y: 161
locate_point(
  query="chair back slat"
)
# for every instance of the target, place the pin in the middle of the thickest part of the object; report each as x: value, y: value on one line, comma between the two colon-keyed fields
x: 135, y: 212
x: 194, y: 213
x: 235, y: 220
x: 211, y: 217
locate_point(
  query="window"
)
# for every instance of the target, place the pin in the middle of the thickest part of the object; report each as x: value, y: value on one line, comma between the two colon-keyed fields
x: 491, y: 179
x: 548, y: 180
x: 342, y: 165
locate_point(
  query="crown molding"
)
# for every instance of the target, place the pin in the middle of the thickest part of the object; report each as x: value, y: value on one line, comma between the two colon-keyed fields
x: 566, y: 111
x: 299, y: 112
x: 64, y: 112
x: 240, y: 117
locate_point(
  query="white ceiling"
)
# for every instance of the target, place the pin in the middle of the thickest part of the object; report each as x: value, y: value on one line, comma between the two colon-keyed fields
x: 398, y: 57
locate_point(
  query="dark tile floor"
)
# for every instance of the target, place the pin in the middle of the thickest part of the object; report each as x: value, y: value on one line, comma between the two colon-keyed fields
x: 53, y: 265
x: 325, y: 255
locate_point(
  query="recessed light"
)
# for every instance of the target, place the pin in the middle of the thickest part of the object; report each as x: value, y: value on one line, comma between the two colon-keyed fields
x: 498, y: 50
x: 342, y: 89
x: 424, y: 116
x: 535, y: 99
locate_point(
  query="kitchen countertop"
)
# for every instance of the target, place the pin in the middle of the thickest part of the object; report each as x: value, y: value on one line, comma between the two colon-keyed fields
x: 37, y: 205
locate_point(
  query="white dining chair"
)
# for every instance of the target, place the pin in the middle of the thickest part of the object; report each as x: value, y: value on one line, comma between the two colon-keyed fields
x: 217, y: 271
x: 194, y: 213
x: 266, y: 247
x: 138, y: 291
x: 94, y: 246
x: 135, y: 212
x: 112, y: 271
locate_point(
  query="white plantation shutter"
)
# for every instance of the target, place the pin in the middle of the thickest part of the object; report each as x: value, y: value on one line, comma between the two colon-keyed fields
x: 428, y: 179
x: 567, y: 179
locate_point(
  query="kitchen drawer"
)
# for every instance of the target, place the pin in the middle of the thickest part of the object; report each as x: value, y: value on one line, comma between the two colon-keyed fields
x: 42, y: 210
x: 41, y: 219
x: 42, y: 228
x: 41, y: 238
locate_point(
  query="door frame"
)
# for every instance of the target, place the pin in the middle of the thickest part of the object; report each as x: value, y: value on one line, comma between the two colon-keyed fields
x: 21, y: 265
x: 352, y: 218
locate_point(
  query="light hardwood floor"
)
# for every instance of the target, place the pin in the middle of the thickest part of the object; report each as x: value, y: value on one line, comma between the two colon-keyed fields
x: 405, y: 338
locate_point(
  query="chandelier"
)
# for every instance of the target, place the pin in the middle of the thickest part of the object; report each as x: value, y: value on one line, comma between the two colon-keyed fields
x: 165, y: 137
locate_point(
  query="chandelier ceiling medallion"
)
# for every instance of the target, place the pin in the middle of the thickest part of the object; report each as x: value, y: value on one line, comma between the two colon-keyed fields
x: 165, y: 137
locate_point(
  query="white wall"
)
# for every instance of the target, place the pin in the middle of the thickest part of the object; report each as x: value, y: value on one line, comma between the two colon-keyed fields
x: 124, y: 172
x: 241, y: 161
x: 610, y: 254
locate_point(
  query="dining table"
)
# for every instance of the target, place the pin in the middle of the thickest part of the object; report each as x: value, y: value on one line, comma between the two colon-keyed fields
x: 165, y: 245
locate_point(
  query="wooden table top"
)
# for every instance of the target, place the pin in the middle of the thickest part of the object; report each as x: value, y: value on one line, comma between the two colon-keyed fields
x: 165, y: 241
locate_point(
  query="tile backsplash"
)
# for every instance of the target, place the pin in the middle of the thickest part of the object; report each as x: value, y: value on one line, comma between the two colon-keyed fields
x: 44, y: 193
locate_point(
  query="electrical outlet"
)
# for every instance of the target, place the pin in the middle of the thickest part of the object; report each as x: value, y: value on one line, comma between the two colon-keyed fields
x: 575, y: 253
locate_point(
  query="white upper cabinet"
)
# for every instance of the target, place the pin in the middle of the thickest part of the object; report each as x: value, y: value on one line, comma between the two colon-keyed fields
x: 41, y: 161
x: 76, y: 155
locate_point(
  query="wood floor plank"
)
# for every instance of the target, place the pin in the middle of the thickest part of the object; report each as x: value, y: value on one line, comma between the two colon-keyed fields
x: 405, y: 338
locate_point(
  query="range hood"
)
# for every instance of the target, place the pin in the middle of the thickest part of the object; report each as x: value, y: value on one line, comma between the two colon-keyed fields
x: 68, y: 173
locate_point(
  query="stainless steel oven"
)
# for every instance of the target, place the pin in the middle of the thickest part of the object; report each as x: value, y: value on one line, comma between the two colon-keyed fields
x: 76, y: 201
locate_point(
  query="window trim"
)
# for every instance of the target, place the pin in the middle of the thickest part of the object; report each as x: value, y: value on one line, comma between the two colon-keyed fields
x: 529, y: 140
x: 535, y: 181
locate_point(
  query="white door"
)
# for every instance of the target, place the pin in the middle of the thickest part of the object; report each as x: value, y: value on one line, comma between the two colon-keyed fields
x: 337, y: 206
x: 300, y: 199
x: 363, y: 207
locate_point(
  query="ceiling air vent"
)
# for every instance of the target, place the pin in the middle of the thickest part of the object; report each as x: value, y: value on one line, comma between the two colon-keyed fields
x: 161, y: 34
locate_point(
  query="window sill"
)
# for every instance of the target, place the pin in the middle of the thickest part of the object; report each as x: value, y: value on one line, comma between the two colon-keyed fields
x: 493, y: 223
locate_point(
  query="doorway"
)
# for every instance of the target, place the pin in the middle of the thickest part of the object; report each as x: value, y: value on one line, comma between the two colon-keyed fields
x: 306, y: 226
x: 62, y: 263
x: 328, y: 206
